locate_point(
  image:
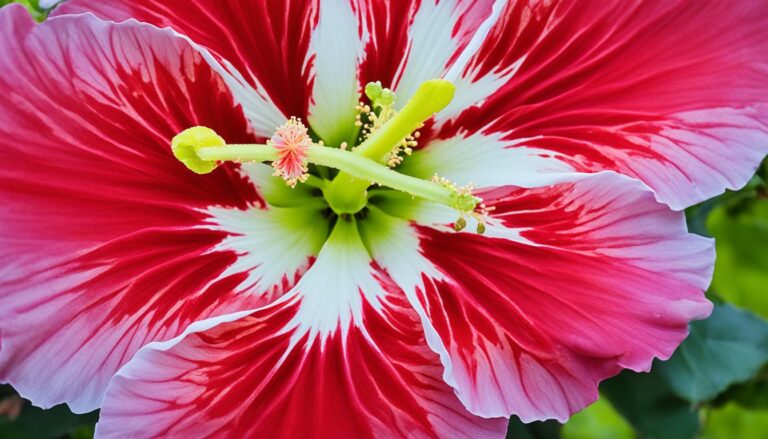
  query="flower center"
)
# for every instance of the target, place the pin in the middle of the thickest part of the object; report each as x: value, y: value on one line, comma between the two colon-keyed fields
x: 385, y: 135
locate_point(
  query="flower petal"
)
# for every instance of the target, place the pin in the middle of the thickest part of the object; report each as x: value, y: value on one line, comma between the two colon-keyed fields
x: 672, y: 93
x: 261, y: 47
x: 342, y: 356
x: 485, y: 160
x: 570, y: 283
x: 106, y: 241
x: 309, y: 59
x: 408, y: 42
x: 48, y: 4
x: 337, y: 47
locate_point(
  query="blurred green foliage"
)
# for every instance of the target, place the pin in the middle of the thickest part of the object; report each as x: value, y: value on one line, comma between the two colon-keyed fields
x: 740, y: 227
x: 32, y: 5
x: 715, y: 386
x: 34, y: 423
x: 734, y: 421
x: 729, y: 347
x: 599, y: 421
x: 650, y: 405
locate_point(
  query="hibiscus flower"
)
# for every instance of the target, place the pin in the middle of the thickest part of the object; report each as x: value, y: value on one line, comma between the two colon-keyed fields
x: 228, y: 303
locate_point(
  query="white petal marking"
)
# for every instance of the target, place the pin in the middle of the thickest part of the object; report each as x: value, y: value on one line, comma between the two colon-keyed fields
x: 400, y: 257
x: 274, y: 245
x: 338, y: 49
x: 486, y: 161
x: 333, y: 290
x: 432, y: 46
x: 474, y: 91
x: 476, y: 42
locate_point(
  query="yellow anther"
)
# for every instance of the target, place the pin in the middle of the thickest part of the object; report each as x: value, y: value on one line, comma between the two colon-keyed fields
x: 460, y: 224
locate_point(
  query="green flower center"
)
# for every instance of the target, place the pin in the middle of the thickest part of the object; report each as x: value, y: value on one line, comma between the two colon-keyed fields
x: 348, y: 178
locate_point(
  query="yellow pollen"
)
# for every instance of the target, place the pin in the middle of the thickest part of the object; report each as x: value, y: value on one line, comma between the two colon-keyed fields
x: 464, y: 196
x: 370, y: 121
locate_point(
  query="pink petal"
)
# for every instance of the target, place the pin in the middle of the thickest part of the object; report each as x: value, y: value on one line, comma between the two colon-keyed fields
x: 571, y: 283
x: 673, y: 93
x: 343, y: 356
x: 106, y: 241
x: 307, y: 58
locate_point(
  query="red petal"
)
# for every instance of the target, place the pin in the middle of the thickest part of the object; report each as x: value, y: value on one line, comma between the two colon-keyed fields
x: 411, y: 41
x: 674, y: 93
x: 105, y: 241
x: 321, y: 363
x: 300, y: 58
x: 571, y: 283
x: 263, y: 42
x: 400, y: 43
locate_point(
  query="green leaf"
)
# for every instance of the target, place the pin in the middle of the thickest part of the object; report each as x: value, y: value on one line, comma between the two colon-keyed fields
x: 752, y: 394
x: 598, y: 421
x: 84, y: 432
x: 648, y: 403
x: 732, y: 421
x: 729, y: 347
x: 740, y: 228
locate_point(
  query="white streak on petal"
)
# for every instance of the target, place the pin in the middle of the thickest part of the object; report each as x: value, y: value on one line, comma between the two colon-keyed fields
x: 400, y: 256
x: 334, y: 289
x: 432, y: 46
x: 471, y: 92
x: 486, y: 161
x: 274, y: 245
x: 260, y: 174
x: 338, y: 48
x: 475, y: 43
x: 395, y: 247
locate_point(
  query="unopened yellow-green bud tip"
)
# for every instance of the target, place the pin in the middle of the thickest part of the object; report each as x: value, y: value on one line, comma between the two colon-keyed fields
x: 373, y: 90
